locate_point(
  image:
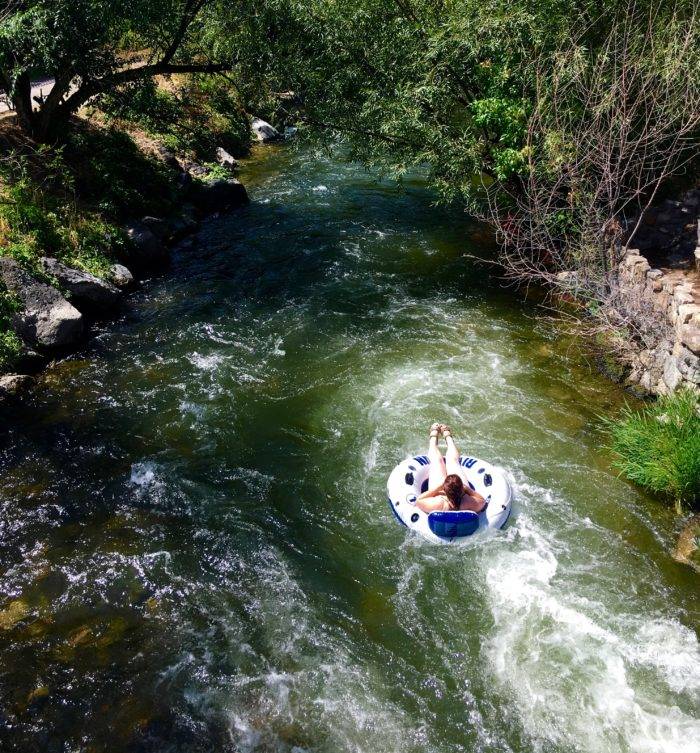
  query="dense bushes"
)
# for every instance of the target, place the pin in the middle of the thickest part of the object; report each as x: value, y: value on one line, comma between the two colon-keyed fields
x: 659, y: 447
x: 112, y: 174
x: 40, y: 216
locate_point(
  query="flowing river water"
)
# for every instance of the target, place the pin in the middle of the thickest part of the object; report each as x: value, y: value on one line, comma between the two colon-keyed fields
x: 196, y: 553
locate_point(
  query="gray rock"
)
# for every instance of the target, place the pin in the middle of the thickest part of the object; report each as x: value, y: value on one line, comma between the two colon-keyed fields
x: 157, y: 226
x: 220, y: 196
x: 225, y: 159
x: 689, y: 366
x: 672, y: 376
x: 83, y: 287
x: 147, y: 249
x: 198, y: 171
x: 264, y: 132
x: 120, y: 276
x: 14, y: 384
x: 169, y: 158
x: 184, y: 180
x: 46, y: 319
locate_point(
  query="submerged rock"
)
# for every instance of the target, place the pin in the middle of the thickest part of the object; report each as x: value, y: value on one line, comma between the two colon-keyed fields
x: 47, y: 318
x: 264, y: 132
x: 220, y: 196
x: 84, y: 287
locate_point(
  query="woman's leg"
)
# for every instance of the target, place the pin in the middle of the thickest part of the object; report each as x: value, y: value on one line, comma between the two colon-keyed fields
x: 437, y: 464
x: 452, y: 455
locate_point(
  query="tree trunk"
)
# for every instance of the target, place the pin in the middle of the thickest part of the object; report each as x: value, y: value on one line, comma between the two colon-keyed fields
x: 22, y: 101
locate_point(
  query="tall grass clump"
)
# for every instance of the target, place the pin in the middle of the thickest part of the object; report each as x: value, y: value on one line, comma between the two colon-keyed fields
x: 658, y: 447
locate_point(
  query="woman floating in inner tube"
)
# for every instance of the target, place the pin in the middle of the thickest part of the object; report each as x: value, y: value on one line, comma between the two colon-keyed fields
x: 446, y: 489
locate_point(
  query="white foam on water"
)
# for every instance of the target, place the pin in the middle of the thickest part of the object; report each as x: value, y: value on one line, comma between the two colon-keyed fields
x: 308, y: 683
x: 572, y: 667
x: 144, y: 475
x: 206, y: 363
x: 577, y: 665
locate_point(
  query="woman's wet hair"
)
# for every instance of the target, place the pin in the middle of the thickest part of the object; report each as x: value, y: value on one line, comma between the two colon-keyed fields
x: 453, y: 489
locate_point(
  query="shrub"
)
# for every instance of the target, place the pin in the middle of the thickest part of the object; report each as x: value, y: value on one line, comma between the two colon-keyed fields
x: 40, y: 216
x: 659, y: 447
x: 10, y: 345
x: 112, y: 173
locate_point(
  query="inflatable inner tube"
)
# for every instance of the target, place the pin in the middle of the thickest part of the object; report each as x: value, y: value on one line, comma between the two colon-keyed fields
x: 410, y: 479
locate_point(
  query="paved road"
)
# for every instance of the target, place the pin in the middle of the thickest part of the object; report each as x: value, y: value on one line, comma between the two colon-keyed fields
x: 39, y: 89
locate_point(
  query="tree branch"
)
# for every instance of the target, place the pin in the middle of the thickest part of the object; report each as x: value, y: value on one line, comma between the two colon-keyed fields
x: 91, y: 88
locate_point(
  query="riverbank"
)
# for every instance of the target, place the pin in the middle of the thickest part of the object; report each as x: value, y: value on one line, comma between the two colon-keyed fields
x: 81, y: 223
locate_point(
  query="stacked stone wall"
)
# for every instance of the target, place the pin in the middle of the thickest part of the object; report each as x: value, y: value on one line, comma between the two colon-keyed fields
x: 664, y: 309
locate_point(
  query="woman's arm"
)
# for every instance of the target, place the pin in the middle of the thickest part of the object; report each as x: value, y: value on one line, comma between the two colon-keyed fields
x: 432, y: 492
x: 474, y: 494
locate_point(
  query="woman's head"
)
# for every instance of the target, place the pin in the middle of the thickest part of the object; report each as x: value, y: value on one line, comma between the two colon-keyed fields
x: 453, y: 489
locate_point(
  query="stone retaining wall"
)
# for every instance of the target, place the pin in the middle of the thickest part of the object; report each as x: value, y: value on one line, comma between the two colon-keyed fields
x: 664, y: 307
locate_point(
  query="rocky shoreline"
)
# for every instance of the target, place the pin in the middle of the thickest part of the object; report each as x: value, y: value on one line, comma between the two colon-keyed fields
x: 56, y: 312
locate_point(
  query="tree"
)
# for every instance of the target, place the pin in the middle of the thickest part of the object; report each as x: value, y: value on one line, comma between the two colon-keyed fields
x: 557, y: 120
x: 609, y: 126
x: 82, y: 45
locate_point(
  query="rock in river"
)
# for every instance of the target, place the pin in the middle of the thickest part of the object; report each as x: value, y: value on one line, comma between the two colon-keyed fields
x: 264, y: 132
x: 46, y: 318
x: 83, y: 287
x: 120, y: 276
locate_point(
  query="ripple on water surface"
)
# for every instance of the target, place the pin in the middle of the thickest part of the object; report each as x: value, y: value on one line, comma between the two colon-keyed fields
x: 197, y: 552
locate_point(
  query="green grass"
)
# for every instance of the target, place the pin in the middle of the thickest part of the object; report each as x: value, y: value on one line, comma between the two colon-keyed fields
x: 10, y: 345
x: 658, y: 447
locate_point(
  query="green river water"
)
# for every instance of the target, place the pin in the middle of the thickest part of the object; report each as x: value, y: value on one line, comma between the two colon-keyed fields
x: 196, y: 553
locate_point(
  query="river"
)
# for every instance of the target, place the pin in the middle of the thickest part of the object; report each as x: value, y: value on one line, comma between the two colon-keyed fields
x: 196, y: 553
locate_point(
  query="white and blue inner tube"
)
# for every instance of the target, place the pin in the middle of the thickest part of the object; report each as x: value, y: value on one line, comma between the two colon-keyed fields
x: 410, y: 479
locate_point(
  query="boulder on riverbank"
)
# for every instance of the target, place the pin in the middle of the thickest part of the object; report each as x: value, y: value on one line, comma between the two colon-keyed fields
x: 121, y: 277
x: 47, y: 318
x: 219, y: 196
x: 147, y: 249
x: 226, y: 160
x: 85, y: 288
x: 13, y: 385
x: 264, y: 132
x: 686, y: 550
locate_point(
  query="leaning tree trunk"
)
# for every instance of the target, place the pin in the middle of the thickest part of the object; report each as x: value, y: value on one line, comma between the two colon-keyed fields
x: 22, y: 101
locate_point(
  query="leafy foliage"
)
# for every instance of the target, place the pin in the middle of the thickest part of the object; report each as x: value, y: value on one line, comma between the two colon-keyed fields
x: 659, y: 447
x: 41, y: 216
x: 113, y: 174
x: 10, y: 344
x: 92, y: 46
x: 192, y: 118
